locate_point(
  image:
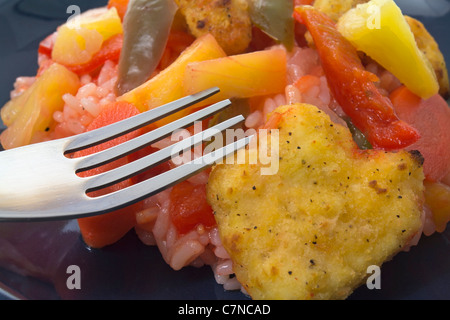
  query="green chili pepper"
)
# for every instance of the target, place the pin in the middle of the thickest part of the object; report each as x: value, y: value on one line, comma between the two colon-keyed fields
x: 274, y: 17
x: 146, y: 27
x: 358, y: 136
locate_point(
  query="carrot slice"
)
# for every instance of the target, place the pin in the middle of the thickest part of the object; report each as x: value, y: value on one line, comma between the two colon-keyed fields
x: 353, y: 87
x: 431, y: 117
x: 102, y: 230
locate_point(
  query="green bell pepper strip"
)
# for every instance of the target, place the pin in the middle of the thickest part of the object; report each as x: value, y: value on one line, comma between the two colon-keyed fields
x: 146, y: 25
x: 274, y: 17
x: 359, y: 138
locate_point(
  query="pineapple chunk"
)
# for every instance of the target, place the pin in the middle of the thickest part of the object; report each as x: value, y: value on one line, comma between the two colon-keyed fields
x: 379, y: 29
x: 105, y: 21
x: 240, y: 76
x: 76, y: 46
x: 167, y: 85
x: 33, y: 111
x: 83, y: 36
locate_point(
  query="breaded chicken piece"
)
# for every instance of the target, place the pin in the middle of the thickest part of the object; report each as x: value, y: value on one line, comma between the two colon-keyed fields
x: 336, y: 8
x: 227, y: 20
x: 428, y: 45
x: 311, y: 230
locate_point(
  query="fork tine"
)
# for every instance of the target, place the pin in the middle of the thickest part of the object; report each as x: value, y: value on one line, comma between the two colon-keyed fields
x: 95, y: 137
x: 131, y: 169
x: 142, y: 141
x: 152, y: 186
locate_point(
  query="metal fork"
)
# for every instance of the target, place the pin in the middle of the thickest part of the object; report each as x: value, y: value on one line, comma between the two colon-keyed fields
x: 40, y: 182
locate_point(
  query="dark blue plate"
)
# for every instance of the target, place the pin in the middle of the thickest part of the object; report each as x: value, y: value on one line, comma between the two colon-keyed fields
x: 129, y: 269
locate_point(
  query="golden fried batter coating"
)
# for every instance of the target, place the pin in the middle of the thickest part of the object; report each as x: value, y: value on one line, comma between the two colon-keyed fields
x: 311, y: 230
x: 227, y: 20
x: 428, y: 45
x: 336, y: 8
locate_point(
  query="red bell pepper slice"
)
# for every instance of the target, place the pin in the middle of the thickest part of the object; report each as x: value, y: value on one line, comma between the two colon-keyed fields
x: 189, y: 207
x: 353, y: 87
